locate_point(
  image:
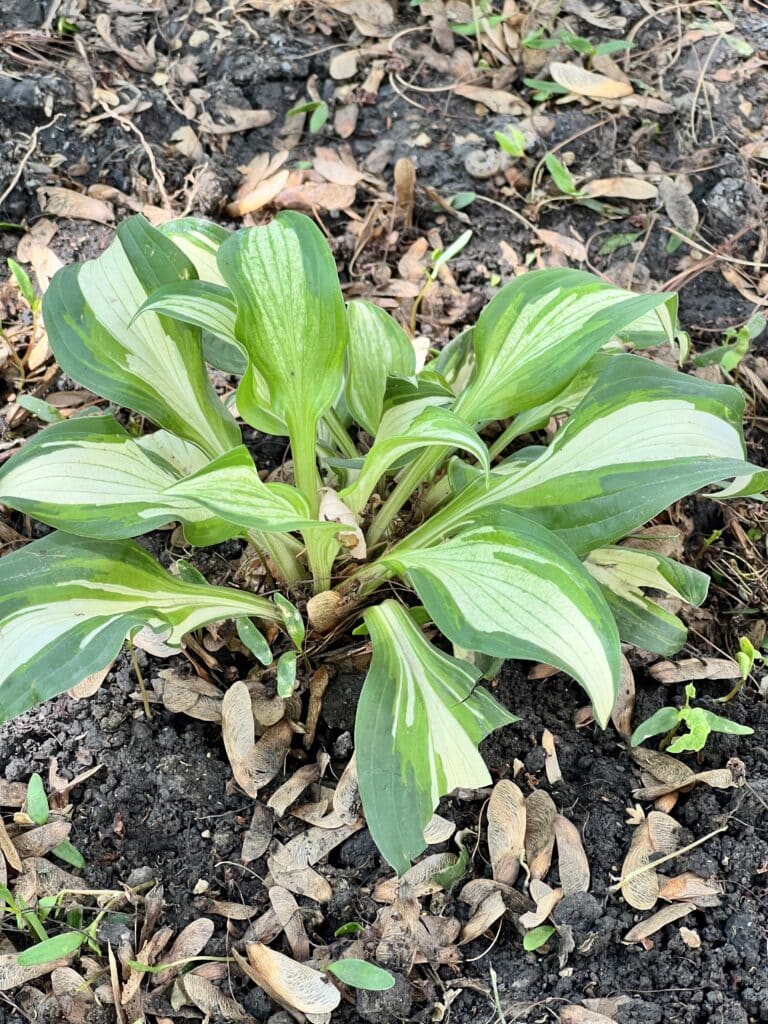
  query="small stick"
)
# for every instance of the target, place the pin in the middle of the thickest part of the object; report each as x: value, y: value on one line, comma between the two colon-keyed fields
x: 140, y: 678
x: 669, y: 856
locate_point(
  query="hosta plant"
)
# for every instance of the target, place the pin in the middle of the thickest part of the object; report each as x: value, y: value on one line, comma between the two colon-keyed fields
x: 401, y: 521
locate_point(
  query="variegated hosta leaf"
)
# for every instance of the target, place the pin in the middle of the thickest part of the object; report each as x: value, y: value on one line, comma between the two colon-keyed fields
x: 67, y: 604
x: 88, y: 476
x: 231, y: 488
x: 199, y: 303
x: 153, y: 364
x: 200, y: 241
x: 540, y: 329
x: 624, y: 572
x: 210, y: 307
x: 378, y: 348
x: 564, y: 402
x: 509, y: 588
x: 644, y: 437
x: 419, y: 721
x: 433, y: 427
x: 291, y: 318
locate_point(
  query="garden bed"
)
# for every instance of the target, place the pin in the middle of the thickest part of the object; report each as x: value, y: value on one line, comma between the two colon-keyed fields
x: 161, y: 805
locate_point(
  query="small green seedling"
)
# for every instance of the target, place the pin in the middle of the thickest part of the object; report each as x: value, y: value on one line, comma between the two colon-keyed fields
x: 361, y: 974
x: 318, y: 109
x: 746, y: 656
x: 39, y: 811
x: 438, y: 258
x: 538, y: 937
x: 561, y: 176
x: 735, y: 345
x: 698, y: 721
x: 350, y: 928
x: 537, y: 40
x: 25, y: 286
x: 511, y: 141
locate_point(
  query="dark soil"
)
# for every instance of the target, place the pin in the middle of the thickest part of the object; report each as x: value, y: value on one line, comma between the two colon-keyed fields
x: 161, y: 801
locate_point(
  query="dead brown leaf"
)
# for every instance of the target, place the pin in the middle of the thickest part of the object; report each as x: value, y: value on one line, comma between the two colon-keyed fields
x: 656, y: 835
x: 291, y: 790
x: 568, y: 246
x: 190, y: 942
x: 621, y: 715
x: 586, y: 83
x: 691, y: 888
x: 259, y: 835
x: 671, y: 672
x: 346, y: 797
x: 289, y: 915
x: 621, y: 188
x: 293, y: 985
x: 397, y: 926
x: 539, y: 832
x: 551, y: 764
x: 316, y: 195
x: 498, y: 100
x: 657, y: 921
x: 506, y: 830
x: 680, y: 208
x: 572, y: 860
x: 211, y: 1000
x: 64, y: 202
x: 546, y: 899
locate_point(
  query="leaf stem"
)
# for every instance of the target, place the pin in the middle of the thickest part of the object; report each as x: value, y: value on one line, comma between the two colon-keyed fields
x: 419, y: 470
x: 277, y: 548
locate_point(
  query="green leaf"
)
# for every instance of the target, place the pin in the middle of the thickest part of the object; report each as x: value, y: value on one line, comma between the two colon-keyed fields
x: 231, y: 487
x: 292, y: 620
x: 292, y: 323
x: 539, y: 330
x: 254, y: 640
x: 350, y: 928
x: 662, y: 721
x: 23, y: 283
x: 561, y: 176
x: 210, y: 307
x: 378, y: 347
x: 286, y: 674
x: 509, y: 588
x: 67, y: 604
x: 432, y: 427
x: 199, y: 303
x: 58, y: 948
x: 644, y: 437
x: 200, y: 241
x: 90, y: 477
x: 154, y: 366
x: 419, y: 720
x: 361, y: 974
x: 291, y: 318
x: 37, y: 801
x: 43, y: 410
x: 698, y: 731
x: 69, y: 854
x: 717, y: 723
x: 442, y: 256
x: 619, y: 241
x: 538, y: 937
x: 624, y: 572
